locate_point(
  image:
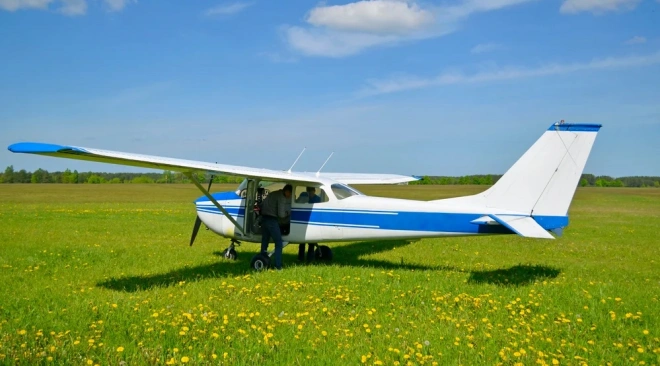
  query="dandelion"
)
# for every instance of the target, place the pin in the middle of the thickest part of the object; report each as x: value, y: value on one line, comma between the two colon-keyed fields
x: 646, y: 332
x: 120, y: 349
x: 184, y: 359
x: 22, y: 332
x: 427, y: 343
x: 640, y: 350
x: 90, y: 362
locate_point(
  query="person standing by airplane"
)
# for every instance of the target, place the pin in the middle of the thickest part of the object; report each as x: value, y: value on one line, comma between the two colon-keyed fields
x: 312, y: 197
x: 275, y: 209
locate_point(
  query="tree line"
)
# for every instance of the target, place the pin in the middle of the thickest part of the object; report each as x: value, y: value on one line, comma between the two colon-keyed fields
x: 587, y: 180
x: 75, y: 177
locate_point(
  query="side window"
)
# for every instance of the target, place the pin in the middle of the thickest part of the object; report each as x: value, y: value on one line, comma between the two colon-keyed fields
x: 341, y: 191
x: 305, y: 194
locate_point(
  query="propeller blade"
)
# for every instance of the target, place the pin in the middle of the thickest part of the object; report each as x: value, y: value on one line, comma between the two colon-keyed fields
x: 198, y: 221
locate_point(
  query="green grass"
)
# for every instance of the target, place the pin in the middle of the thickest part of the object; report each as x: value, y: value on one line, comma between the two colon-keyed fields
x: 100, y: 274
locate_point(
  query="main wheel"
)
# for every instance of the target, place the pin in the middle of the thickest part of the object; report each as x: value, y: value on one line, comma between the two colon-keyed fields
x: 229, y: 253
x: 260, y: 262
x: 323, y: 253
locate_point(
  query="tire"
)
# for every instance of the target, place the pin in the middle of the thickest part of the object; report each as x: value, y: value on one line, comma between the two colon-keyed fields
x: 323, y: 253
x: 260, y: 262
x: 229, y: 254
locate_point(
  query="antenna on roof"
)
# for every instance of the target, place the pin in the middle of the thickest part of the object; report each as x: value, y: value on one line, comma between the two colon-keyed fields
x: 294, y: 163
x: 326, y: 161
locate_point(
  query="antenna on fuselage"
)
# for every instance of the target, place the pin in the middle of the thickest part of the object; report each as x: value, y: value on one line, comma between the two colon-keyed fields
x: 326, y: 161
x: 294, y: 163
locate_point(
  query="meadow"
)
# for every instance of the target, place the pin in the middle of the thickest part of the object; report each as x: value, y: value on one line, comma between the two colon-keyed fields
x: 103, y: 274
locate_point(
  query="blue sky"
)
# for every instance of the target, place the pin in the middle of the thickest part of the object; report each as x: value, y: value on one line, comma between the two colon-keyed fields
x: 412, y: 87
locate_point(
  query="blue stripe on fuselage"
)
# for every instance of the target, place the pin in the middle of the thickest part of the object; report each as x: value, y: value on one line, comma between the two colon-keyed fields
x: 398, y: 220
x: 220, y: 196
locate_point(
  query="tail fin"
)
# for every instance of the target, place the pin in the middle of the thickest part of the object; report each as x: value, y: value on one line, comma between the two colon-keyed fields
x: 543, y: 181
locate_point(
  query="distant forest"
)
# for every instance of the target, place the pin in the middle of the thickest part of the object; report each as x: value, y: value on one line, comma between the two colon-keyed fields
x: 75, y: 177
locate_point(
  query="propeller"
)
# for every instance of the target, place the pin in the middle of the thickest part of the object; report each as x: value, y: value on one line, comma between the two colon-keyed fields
x: 198, y: 221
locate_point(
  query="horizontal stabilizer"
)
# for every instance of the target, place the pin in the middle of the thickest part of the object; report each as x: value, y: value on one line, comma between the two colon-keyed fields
x: 522, y: 225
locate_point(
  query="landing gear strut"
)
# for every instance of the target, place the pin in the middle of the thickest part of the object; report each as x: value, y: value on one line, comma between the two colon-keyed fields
x: 230, y: 252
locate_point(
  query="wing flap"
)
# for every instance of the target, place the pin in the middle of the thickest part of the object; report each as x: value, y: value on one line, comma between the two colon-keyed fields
x: 366, y: 178
x: 522, y: 225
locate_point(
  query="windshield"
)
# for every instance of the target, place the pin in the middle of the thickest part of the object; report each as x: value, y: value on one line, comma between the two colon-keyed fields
x: 341, y: 191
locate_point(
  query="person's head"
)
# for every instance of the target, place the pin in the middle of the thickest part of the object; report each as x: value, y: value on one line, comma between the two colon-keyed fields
x: 287, y: 190
x: 311, y: 191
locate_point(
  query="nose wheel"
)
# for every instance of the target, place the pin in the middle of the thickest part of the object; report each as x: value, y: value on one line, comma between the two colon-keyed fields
x: 230, y: 252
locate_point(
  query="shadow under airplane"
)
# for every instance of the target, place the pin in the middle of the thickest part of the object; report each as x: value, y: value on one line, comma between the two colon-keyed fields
x: 348, y: 255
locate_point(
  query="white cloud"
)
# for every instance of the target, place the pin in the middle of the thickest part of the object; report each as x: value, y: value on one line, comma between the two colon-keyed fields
x: 13, y: 5
x: 117, y: 5
x: 73, y: 7
x: 381, y: 16
x: 636, y: 40
x: 596, y: 6
x: 66, y: 7
x: 485, y: 47
x: 343, y: 30
x: 376, y: 87
x: 228, y: 9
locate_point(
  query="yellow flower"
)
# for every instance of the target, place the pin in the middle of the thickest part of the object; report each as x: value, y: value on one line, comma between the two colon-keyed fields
x: 555, y: 361
x: 646, y: 332
x: 640, y: 350
x: 184, y: 359
x: 324, y: 333
x: 22, y: 332
x: 120, y: 349
x: 90, y: 362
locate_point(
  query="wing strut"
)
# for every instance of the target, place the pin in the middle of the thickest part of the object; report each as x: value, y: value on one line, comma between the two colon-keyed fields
x: 208, y: 195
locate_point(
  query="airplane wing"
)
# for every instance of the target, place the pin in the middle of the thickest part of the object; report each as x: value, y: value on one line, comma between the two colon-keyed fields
x: 191, y: 166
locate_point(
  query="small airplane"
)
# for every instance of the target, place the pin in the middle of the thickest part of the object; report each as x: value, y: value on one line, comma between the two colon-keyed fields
x: 530, y: 199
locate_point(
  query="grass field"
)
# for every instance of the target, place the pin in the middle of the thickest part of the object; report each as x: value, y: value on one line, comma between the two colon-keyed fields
x: 103, y: 274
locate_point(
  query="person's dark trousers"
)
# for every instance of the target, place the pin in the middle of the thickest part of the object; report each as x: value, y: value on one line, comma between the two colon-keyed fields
x: 310, y: 252
x: 270, y: 228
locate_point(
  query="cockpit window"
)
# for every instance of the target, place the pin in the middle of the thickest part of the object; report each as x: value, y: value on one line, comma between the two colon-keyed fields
x: 341, y: 191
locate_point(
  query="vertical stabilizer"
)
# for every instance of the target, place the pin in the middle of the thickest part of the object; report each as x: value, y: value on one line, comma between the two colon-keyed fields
x: 543, y: 181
